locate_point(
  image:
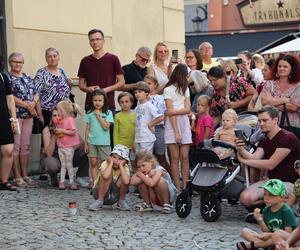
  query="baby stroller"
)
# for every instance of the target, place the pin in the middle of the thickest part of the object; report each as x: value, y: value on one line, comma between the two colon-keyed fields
x: 214, y: 179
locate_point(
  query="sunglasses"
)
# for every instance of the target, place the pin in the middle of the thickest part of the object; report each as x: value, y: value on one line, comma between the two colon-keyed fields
x: 162, y: 51
x: 145, y: 60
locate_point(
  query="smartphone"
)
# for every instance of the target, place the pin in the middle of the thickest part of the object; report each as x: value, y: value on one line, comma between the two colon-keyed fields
x: 240, y: 135
x: 175, y: 55
x: 238, y: 61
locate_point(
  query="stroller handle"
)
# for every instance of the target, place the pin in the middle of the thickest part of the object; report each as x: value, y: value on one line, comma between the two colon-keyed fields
x: 215, y: 143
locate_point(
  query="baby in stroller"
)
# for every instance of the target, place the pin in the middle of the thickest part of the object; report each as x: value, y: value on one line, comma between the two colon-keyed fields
x: 226, y: 133
x: 213, y: 177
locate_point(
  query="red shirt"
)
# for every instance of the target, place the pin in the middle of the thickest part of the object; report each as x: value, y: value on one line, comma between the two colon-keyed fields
x: 100, y: 72
x: 285, y: 169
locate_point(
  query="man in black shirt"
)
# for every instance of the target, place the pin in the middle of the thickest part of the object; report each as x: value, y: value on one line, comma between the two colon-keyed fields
x: 136, y: 71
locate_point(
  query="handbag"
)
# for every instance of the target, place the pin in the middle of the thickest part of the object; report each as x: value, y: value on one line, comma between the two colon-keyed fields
x: 285, y: 118
x: 37, y: 126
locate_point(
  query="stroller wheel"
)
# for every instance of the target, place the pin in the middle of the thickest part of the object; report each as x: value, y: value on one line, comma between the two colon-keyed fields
x: 183, y: 204
x: 210, y: 209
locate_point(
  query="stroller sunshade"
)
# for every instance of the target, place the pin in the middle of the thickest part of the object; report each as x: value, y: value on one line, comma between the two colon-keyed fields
x: 209, y: 176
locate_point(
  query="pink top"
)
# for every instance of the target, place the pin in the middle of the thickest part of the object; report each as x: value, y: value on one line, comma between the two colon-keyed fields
x: 226, y: 135
x: 201, y: 123
x: 67, y: 141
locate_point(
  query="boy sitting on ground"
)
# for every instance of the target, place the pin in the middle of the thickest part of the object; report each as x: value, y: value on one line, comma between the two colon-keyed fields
x: 114, y: 179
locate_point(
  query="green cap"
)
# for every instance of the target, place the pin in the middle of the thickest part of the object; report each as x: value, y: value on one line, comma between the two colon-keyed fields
x: 275, y: 187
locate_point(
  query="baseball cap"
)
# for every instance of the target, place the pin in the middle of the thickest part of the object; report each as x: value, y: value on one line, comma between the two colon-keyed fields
x: 275, y: 187
x: 121, y: 151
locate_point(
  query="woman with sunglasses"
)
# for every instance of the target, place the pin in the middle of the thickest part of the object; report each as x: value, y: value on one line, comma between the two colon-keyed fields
x: 159, y: 68
x: 27, y: 107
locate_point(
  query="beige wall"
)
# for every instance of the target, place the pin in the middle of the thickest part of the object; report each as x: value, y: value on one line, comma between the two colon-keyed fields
x: 34, y: 25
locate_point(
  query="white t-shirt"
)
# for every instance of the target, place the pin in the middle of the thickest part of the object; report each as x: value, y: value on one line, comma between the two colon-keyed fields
x: 177, y: 98
x: 145, y: 113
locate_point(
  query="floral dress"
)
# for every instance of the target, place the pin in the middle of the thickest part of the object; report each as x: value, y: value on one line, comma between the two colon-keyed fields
x: 238, y: 91
x: 292, y: 92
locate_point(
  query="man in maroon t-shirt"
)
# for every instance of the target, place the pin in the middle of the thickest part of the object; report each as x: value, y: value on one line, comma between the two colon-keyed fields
x: 100, y: 70
x: 275, y: 153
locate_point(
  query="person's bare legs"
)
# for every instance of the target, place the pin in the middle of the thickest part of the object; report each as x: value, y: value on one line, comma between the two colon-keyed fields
x: 144, y: 192
x: 280, y: 236
x: 94, y: 170
x: 123, y: 188
x: 174, y: 152
x: 162, y: 191
x: 6, y: 161
x: 103, y: 187
x: 252, y: 236
x: 185, y: 164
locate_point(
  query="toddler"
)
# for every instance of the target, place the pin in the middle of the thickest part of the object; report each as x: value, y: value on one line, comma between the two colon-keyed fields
x: 97, y: 136
x: 154, y: 183
x: 203, y: 125
x: 226, y: 132
x: 113, y: 180
x: 275, y: 216
x: 147, y: 117
x: 67, y: 139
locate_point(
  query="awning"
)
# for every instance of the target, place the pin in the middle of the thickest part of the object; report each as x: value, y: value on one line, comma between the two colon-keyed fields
x: 293, y: 45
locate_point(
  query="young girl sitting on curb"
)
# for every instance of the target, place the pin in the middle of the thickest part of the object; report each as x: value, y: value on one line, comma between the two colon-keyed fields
x: 275, y: 216
x: 154, y: 183
x: 114, y: 179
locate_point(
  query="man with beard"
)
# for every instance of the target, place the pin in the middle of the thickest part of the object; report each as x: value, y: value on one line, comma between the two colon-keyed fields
x: 276, y: 153
x: 136, y: 71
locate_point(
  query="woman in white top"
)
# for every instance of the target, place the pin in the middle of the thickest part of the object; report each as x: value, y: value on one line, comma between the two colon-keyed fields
x: 159, y: 67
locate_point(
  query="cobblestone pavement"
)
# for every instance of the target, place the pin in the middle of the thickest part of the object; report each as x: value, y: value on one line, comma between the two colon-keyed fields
x: 37, y: 218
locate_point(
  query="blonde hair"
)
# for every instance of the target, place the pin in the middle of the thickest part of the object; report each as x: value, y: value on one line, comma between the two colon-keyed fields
x: 259, y: 58
x: 67, y: 108
x: 204, y: 98
x: 159, y: 44
x: 147, y: 156
x: 152, y: 78
x: 232, y: 113
x: 230, y: 64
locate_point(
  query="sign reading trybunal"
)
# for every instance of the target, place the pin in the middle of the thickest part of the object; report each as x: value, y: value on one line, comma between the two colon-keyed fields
x: 265, y: 12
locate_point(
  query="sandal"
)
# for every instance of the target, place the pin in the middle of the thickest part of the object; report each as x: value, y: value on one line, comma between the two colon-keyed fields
x: 29, y: 181
x: 242, y: 246
x: 20, y: 182
x: 167, y: 209
x: 144, y: 207
x: 8, y: 186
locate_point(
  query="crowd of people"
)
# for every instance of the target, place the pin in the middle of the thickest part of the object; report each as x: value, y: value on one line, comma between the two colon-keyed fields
x: 166, y: 107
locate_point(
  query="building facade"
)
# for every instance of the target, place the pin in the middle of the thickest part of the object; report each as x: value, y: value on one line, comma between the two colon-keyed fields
x: 235, y: 25
x: 32, y: 26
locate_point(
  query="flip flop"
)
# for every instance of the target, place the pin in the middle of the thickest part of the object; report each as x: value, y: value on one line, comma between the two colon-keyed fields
x: 242, y: 246
x: 8, y: 186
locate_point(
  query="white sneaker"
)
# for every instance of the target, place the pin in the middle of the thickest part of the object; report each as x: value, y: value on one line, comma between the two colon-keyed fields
x: 123, y: 205
x: 96, y: 205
